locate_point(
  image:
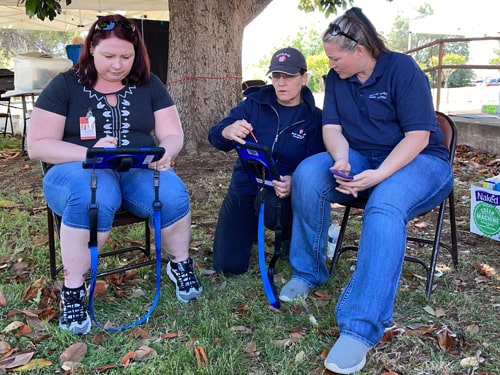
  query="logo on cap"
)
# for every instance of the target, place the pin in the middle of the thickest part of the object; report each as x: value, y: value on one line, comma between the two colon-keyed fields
x: 282, y: 57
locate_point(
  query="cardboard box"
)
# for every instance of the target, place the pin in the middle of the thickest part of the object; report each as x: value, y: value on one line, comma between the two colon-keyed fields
x: 485, y: 212
x: 492, y: 183
x: 35, y: 72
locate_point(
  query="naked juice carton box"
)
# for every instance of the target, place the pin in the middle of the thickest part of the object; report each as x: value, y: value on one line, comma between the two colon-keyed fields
x: 485, y: 212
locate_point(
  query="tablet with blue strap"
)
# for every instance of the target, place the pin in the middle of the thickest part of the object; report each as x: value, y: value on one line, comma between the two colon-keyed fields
x: 122, y: 158
x: 259, y: 163
x: 261, y: 168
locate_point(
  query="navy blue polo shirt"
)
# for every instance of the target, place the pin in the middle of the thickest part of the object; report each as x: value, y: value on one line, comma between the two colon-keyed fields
x: 375, y: 115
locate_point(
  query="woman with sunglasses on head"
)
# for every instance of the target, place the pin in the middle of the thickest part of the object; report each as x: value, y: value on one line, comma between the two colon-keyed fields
x: 283, y: 117
x: 380, y: 124
x: 110, y: 99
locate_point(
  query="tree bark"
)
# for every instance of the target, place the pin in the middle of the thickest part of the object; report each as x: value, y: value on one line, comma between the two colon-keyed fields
x: 204, y: 62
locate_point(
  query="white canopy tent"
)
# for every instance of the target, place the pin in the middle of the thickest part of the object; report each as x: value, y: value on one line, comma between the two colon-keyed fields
x: 487, y: 25
x: 80, y: 14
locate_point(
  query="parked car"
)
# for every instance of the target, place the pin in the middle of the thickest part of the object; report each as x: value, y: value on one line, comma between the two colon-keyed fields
x: 477, y: 82
x: 493, y: 82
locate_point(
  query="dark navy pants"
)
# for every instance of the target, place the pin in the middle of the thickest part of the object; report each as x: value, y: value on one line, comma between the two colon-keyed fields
x: 237, y: 225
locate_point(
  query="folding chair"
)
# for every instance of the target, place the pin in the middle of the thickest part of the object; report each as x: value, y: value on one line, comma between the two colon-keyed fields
x: 122, y: 218
x: 252, y: 82
x: 5, y: 113
x: 450, y: 139
x: 73, y: 52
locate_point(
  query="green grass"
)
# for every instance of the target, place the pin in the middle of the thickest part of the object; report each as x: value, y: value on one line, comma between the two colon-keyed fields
x: 232, y: 321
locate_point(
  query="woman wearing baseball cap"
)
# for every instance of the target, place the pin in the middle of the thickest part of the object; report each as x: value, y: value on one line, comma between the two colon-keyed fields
x: 283, y: 116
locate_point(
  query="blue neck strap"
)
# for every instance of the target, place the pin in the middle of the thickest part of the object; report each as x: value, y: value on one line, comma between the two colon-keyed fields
x: 267, y: 277
x: 94, y: 256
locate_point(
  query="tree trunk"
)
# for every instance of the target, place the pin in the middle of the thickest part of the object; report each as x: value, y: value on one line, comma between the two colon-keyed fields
x: 204, y: 62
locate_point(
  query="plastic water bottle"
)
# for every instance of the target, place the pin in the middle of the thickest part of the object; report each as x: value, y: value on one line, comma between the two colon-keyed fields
x: 333, y: 235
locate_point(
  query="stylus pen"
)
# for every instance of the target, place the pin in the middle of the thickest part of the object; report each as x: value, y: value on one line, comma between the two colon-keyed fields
x: 253, y: 136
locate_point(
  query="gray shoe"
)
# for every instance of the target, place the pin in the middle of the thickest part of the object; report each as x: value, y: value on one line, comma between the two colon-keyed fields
x: 187, y: 285
x: 293, y: 289
x: 74, y: 317
x: 347, y: 356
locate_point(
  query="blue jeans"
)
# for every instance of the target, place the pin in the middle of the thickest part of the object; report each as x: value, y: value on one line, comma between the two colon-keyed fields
x: 237, y: 226
x: 67, y: 191
x: 365, y: 307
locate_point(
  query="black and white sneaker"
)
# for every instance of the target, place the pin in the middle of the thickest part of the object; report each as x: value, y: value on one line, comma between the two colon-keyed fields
x: 73, y: 316
x: 187, y: 285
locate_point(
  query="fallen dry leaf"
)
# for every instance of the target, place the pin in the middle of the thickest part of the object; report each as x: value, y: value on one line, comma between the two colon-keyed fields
x: 169, y: 335
x: 33, y: 365
x: 243, y: 309
x: 13, y: 326
x: 300, y: 357
x: 421, y: 224
x: 139, y: 332
x: 24, y: 330
x: 318, y: 371
x: 3, y: 300
x: 4, y: 347
x: 294, y: 337
x: 285, y: 343
x: 321, y: 295
x: 194, y: 245
x: 144, y: 353
x: 438, y: 312
x: 100, y: 338
x: 473, y: 328
x: 484, y: 269
x: 222, y: 286
x: 8, y: 204
x: 242, y: 329
x: 421, y: 329
x: 201, y: 356
x: 391, y: 333
x: 71, y: 367
x: 30, y: 293
x: 104, y: 368
x: 469, y: 362
x: 100, y: 291
x: 20, y: 359
x: 446, y: 338
x: 74, y: 353
x: 126, y: 359
x: 251, y: 350
x: 21, y: 270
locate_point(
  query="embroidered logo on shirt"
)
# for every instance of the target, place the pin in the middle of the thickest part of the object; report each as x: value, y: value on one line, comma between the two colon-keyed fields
x: 379, y: 95
x: 300, y: 135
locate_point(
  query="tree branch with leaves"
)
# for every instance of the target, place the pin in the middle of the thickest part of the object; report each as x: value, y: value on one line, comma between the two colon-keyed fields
x: 43, y: 8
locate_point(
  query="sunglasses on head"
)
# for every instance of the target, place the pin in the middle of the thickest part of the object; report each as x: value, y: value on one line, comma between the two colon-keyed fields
x: 334, y: 30
x: 107, y: 25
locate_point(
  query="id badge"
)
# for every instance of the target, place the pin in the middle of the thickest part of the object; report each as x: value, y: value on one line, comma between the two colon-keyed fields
x: 87, y: 127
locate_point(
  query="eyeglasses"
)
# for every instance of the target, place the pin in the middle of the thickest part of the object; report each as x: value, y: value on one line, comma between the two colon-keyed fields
x: 334, y: 30
x: 275, y: 76
x: 107, y: 25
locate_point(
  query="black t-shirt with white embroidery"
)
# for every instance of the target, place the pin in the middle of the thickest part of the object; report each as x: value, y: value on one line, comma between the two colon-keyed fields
x: 131, y: 120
